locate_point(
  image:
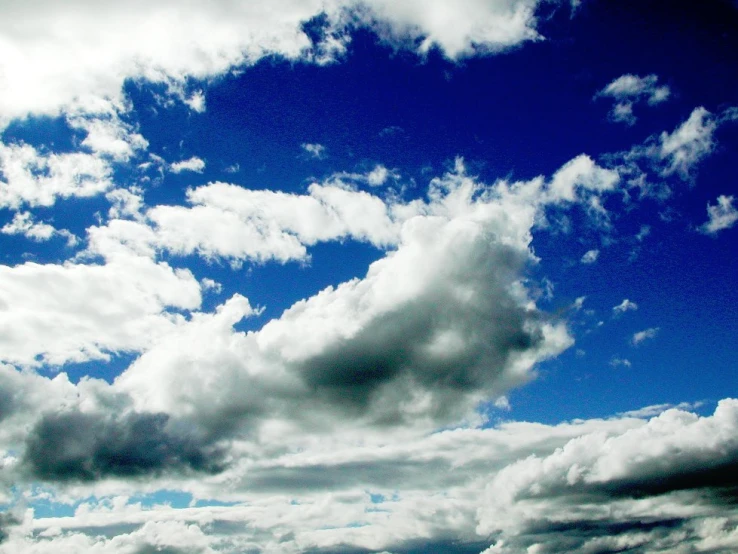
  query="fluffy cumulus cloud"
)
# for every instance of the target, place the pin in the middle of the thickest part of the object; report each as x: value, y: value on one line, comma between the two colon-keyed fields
x: 628, y: 90
x: 664, y: 485
x: 440, y: 323
x: 32, y: 178
x: 61, y: 56
x: 363, y: 416
x: 77, y: 312
x: 437, y: 324
x: 231, y: 222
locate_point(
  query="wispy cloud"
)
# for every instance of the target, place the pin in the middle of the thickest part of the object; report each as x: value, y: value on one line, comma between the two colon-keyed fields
x: 628, y: 90
x: 625, y: 306
x: 721, y: 215
x: 644, y: 335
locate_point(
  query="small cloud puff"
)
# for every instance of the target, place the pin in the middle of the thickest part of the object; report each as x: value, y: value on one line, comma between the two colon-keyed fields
x: 641, y: 336
x: 617, y: 362
x: 722, y: 215
x: 193, y: 164
x: 625, y: 306
x: 590, y: 256
x: 314, y: 150
x: 628, y: 90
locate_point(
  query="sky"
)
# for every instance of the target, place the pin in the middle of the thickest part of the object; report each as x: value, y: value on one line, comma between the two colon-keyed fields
x: 341, y: 276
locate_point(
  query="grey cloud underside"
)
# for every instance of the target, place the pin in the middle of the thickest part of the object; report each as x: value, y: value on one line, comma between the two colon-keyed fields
x: 76, y: 446
x: 7, y: 520
x: 397, y: 348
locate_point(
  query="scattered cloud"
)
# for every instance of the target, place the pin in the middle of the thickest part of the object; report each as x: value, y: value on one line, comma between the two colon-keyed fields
x: 618, y: 362
x: 628, y: 90
x: 722, y: 215
x: 590, y: 256
x: 108, y: 135
x: 692, y: 141
x: 192, y: 164
x: 625, y: 306
x: 379, y: 175
x: 644, y: 335
x: 314, y: 150
x: 32, y: 178
x: 23, y: 224
x: 376, y: 177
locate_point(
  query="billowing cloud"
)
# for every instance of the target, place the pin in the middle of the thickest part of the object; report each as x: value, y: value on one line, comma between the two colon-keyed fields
x: 73, y: 445
x: 437, y: 324
x: 58, y: 57
x: 76, y: 312
x: 722, y: 215
x: 651, y: 488
x: 662, y: 479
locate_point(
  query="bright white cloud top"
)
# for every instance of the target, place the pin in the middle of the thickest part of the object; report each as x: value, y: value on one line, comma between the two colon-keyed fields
x: 311, y: 277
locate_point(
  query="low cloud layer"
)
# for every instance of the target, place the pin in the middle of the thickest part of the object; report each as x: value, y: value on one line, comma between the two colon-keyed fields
x: 661, y: 484
x: 76, y: 446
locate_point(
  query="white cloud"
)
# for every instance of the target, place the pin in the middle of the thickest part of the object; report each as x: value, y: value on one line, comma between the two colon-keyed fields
x: 625, y: 306
x: 641, y: 336
x: 23, y: 224
x: 227, y: 221
x: 120, y: 306
x: 584, y: 486
x: 617, y: 362
x: 656, y: 471
x: 58, y: 56
x: 468, y: 28
x: 376, y: 177
x: 582, y: 175
x: 688, y: 144
x: 628, y: 90
x: 314, y: 150
x: 192, y: 164
x: 590, y: 256
x: 107, y: 135
x: 460, y: 257
x: 722, y: 215
x: 673, y: 153
x: 379, y: 175
x: 37, y: 179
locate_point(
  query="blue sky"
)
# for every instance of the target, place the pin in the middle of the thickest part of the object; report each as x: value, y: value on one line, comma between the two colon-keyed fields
x: 332, y: 276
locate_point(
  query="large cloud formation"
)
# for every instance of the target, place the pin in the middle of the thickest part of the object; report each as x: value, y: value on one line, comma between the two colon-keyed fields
x: 75, y: 56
